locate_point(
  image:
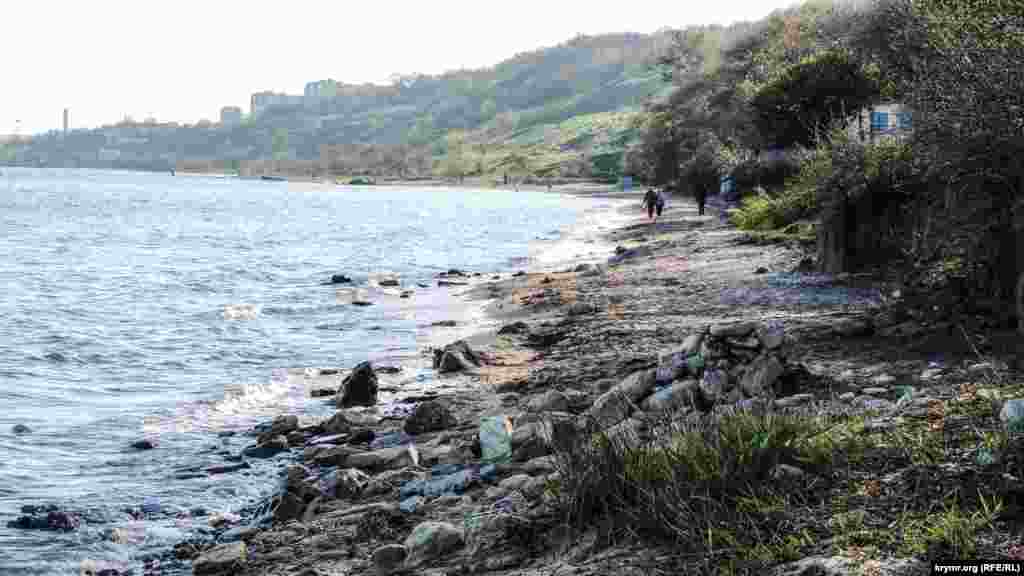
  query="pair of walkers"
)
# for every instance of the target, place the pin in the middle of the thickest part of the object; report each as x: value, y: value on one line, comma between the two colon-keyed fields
x: 654, y: 201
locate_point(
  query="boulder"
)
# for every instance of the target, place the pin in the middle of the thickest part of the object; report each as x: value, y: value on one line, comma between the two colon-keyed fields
x: 430, y: 416
x: 771, y: 338
x: 794, y: 400
x: 337, y: 424
x: 638, y: 384
x: 431, y: 540
x: 495, y: 438
x: 456, y: 357
x: 359, y: 388
x: 21, y: 429
x: 441, y: 485
x: 610, y: 408
x: 281, y: 425
x: 580, y: 309
x: 550, y: 401
x: 145, y: 444
x: 340, y: 279
x: 389, y: 559
x: 289, y: 507
x: 220, y: 559
x: 388, y: 281
x: 54, y: 520
x: 347, y: 484
x: 677, y: 395
x: 761, y: 375
x: 385, y: 459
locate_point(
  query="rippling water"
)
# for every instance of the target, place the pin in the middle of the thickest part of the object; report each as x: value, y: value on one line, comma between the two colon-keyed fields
x: 148, y: 305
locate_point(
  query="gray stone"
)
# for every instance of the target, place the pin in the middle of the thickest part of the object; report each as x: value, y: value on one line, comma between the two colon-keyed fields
x: 678, y: 395
x: 267, y: 449
x: 21, y: 429
x: 429, y: 416
x: 786, y: 473
x: 843, y: 566
x: 430, y: 540
x: 347, y: 484
x: 771, y: 338
x: 794, y: 400
x: 410, y: 504
x: 457, y: 357
x: 359, y: 388
x: 337, y: 424
x: 220, y: 558
x: 289, y: 507
x: 389, y: 558
x: 638, y: 384
x: 737, y: 330
x: 883, y: 380
x: 282, y: 425
x: 761, y: 376
x: 611, y: 408
x: 875, y: 391
x: 847, y: 397
x: 550, y: 401
x: 335, y: 455
x: 385, y: 459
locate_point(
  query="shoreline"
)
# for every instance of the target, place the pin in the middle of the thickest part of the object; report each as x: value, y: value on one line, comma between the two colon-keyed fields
x: 570, y: 331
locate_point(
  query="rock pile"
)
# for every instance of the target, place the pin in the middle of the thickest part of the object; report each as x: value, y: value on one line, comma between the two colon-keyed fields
x: 723, y: 364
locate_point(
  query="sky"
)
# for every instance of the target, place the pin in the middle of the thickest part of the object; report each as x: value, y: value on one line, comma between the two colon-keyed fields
x: 182, y: 60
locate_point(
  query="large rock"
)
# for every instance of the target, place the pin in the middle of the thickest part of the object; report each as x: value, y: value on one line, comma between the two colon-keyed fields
x: 223, y: 558
x: 617, y: 404
x: 430, y: 540
x: 457, y: 357
x: 280, y: 426
x: 289, y: 507
x: 385, y: 459
x: 430, y: 416
x: 638, y: 384
x: 335, y: 455
x: 761, y: 375
x: 611, y: 408
x: 389, y: 558
x: 550, y: 401
x: 678, y: 395
x: 713, y: 386
x: 359, y: 388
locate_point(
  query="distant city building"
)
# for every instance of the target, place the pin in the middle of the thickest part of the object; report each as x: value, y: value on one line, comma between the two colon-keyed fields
x: 261, y: 101
x: 231, y: 115
x: 65, y: 121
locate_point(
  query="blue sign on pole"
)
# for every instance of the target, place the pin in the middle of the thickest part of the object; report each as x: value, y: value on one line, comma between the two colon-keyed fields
x: 627, y: 183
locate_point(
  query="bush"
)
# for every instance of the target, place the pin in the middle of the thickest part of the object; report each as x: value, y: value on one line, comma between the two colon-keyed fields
x: 704, y: 485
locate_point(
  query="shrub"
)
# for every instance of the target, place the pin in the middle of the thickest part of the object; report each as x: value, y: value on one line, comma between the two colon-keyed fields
x: 704, y: 485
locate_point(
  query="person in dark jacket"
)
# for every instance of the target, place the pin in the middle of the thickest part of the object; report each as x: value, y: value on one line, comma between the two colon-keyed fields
x: 701, y: 196
x: 650, y: 200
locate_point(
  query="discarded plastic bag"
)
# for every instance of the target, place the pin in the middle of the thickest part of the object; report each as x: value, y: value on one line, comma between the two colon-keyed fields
x: 496, y: 439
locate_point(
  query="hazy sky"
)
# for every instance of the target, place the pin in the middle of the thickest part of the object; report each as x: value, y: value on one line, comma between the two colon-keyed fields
x: 182, y: 60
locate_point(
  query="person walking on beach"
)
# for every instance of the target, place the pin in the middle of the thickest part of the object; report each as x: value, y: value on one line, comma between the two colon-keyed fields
x: 701, y: 196
x: 650, y: 199
x: 659, y: 203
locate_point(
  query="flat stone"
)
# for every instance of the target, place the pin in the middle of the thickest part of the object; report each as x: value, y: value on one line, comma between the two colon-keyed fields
x: 737, y: 330
x: 550, y: 401
x: 794, y: 400
x: 883, y: 380
x: 385, y: 459
x: 221, y: 558
x: 847, y: 397
x: 875, y: 391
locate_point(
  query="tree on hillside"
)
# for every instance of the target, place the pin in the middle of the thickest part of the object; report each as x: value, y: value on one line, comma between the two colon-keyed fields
x: 279, y: 143
x: 801, y: 103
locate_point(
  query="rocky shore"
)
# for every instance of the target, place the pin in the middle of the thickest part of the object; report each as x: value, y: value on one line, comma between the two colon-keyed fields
x: 685, y: 319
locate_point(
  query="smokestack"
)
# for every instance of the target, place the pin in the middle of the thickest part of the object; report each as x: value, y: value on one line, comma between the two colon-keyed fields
x: 65, y: 121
